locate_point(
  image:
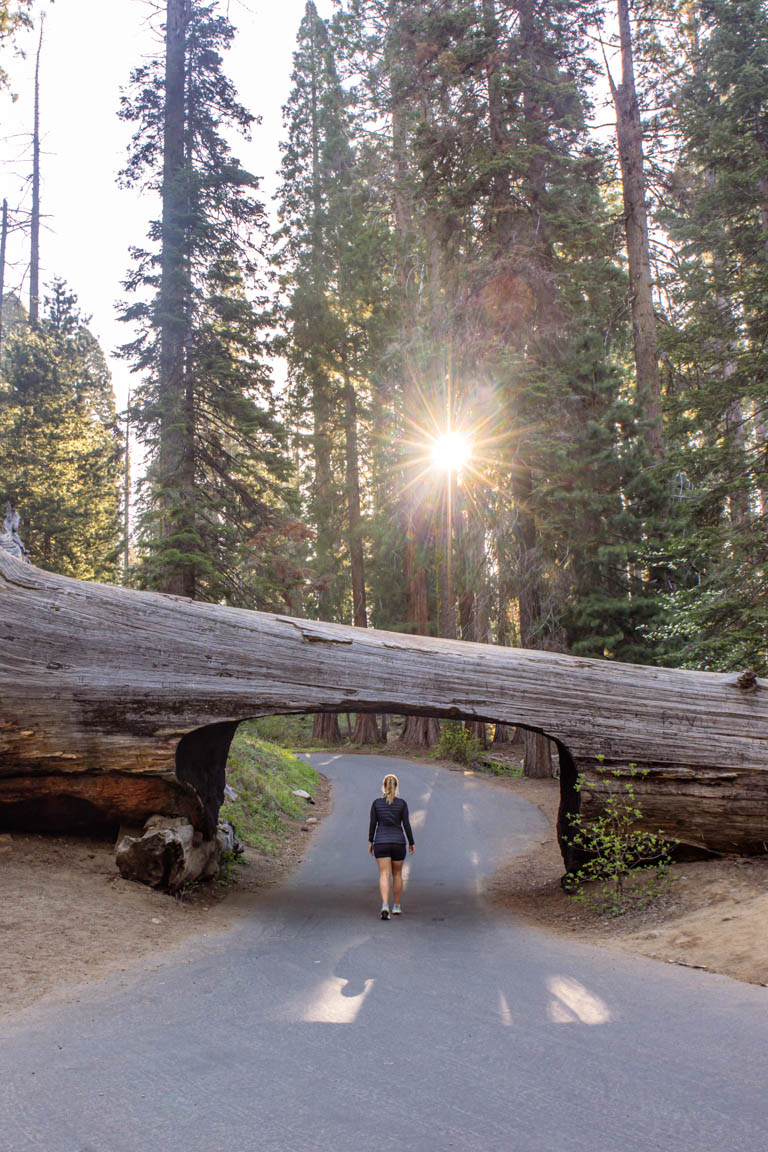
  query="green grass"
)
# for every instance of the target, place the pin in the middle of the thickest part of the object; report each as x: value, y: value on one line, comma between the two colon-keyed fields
x: 497, y: 768
x: 287, y: 731
x: 263, y: 776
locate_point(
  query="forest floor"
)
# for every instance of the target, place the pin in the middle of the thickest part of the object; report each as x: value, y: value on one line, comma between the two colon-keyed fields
x: 67, y: 916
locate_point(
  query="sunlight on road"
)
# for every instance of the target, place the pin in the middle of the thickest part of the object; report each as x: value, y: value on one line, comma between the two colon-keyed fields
x: 332, y: 1005
x: 572, y: 1003
x: 418, y: 818
x: 504, y: 1011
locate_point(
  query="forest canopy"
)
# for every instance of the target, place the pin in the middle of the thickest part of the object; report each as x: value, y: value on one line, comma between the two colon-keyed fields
x: 463, y: 244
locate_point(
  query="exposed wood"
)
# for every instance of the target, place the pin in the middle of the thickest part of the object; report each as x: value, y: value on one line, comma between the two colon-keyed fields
x: 127, y: 701
x: 168, y: 854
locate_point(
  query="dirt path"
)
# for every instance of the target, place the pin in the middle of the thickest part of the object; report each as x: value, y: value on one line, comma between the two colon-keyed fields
x: 67, y: 916
x: 714, y: 915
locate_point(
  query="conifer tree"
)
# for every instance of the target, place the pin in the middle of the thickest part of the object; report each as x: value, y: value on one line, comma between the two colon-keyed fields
x: 60, y: 442
x: 215, y: 492
x: 716, y: 212
x: 328, y: 258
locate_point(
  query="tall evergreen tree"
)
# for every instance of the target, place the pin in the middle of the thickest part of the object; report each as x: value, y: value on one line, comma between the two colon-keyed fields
x: 60, y: 442
x: 215, y: 488
x: 716, y: 212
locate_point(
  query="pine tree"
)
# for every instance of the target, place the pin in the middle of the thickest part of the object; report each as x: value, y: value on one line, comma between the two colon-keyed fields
x: 328, y: 253
x: 214, y: 501
x: 716, y: 212
x: 60, y: 442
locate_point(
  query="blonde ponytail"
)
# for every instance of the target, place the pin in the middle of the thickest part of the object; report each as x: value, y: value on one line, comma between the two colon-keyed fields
x: 389, y: 786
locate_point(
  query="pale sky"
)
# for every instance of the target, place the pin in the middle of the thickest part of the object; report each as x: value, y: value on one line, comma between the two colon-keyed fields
x: 89, y: 50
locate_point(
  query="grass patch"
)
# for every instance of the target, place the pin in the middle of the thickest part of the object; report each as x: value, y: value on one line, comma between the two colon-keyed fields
x: 287, y: 731
x: 263, y: 776
x: 499, y: 768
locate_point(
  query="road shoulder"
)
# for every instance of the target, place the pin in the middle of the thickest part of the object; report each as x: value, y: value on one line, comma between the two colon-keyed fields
x: 713, y: 915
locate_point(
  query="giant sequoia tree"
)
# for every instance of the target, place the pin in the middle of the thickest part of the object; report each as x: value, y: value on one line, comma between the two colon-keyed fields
x: 214, y: 492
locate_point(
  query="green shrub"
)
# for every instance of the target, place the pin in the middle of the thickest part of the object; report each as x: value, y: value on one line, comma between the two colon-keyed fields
x: 457, y: 744
x: 627, y: 867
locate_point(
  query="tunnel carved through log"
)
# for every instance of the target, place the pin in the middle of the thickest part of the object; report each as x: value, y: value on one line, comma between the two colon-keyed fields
x: 117, y: 704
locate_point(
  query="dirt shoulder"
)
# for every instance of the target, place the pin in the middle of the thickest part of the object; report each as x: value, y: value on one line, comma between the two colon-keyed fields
x: 67, y: 916
x: 713, y: 916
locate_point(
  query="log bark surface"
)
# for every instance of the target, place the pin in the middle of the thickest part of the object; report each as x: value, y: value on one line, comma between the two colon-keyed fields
x: 121, y: 704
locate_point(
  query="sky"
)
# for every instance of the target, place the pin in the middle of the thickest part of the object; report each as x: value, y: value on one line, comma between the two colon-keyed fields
x: 89, y: 49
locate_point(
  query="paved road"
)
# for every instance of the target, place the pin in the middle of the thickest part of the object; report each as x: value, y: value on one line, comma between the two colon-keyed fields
x: 313, y: 1026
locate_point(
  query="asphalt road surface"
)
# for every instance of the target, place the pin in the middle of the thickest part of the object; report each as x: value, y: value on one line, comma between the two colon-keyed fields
x: 314, y: 1025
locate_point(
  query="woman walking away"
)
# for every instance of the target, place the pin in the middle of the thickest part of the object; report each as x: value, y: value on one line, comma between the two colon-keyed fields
x: 386, y: 841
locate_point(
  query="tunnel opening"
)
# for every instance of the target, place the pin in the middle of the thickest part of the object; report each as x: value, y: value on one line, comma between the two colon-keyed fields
x: 202, y: 757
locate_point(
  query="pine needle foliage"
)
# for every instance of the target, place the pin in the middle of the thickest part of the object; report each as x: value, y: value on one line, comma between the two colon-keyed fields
x: 215, y: 499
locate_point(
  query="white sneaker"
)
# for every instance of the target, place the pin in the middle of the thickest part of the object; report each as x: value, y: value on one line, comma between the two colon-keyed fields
x: 385, y: 911
x: 396, y: 910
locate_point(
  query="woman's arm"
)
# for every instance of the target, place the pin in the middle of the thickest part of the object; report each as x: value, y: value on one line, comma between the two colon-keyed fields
x: 372, y: 825
x: 406, y: 821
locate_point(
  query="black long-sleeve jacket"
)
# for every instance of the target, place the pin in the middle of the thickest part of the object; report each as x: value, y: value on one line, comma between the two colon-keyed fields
x: 388, y: 821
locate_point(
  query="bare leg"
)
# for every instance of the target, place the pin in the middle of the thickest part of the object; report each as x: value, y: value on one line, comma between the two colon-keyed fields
x: 397, y: 881
x: 385, y: 871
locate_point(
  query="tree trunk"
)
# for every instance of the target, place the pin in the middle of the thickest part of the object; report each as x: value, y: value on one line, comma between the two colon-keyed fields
x: 538, y: 759
x: 127, y: 493
x: 501, y: 199
x: 417, y: 730
x: 629, y: 134
x: 322, y: 502
x: 423, y: 731
x: 34, y: 228
x: 94, y: 732
x: 325, y: 728
x: 3, y: 242
x: 366, y: 729
x: 173, y: 468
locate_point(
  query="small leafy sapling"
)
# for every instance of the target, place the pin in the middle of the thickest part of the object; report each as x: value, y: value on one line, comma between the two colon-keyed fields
x: 627, y: 866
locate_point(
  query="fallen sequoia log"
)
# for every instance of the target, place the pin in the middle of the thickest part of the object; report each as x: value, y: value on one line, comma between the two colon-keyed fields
x: 116, y: 705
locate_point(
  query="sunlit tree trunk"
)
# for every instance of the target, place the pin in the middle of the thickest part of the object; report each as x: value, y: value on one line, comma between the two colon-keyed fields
x: 629, y: 133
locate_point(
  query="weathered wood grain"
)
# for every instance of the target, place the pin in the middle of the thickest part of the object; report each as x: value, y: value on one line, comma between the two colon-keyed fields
x: 128, y: 700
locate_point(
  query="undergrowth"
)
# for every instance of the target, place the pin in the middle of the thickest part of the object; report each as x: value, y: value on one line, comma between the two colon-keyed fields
x: 263, y: 776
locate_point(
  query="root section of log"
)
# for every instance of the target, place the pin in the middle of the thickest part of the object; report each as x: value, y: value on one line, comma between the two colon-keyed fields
x: 116, y: 705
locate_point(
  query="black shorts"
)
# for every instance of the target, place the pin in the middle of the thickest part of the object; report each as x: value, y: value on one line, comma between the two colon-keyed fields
x: 395, y: 851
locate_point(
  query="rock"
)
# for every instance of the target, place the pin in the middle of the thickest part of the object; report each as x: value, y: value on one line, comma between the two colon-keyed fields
x: 312, y: 820
x: 304, y: 795
x: 168, y: 854
x: 229, y: 793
